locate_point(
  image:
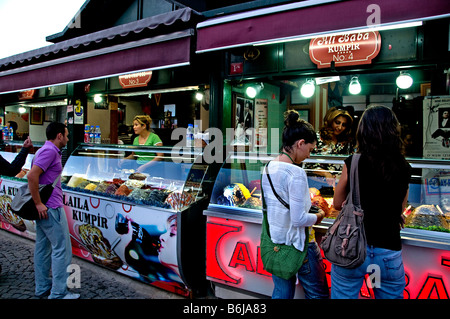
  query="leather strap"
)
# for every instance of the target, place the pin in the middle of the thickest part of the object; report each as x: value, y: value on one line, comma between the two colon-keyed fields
x: 273, y: 189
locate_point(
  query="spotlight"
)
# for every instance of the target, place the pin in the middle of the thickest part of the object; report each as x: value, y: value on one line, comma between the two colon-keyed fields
x: 98, y: 98
x: 199, y: 96
x: 308, y: 88
x: 22, y: 110
x: 354, y: 87
x: 252, y: 90
x: 404, y: 80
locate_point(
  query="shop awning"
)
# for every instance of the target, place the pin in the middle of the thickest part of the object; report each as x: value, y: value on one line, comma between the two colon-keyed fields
x: 114, y: 51
x: 311, y: 18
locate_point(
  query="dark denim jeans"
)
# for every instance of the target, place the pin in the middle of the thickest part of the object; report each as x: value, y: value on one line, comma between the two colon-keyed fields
x: 311, y: 276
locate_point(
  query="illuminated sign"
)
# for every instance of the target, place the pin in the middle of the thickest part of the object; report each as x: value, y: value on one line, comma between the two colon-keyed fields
x: 345, y: 49
x: 133, y: 80
x: 233, y: 258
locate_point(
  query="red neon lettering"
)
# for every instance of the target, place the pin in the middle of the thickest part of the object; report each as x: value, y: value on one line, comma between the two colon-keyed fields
x: 241, y: 256
x: 259, y: 264
x: 433, y: 288
x: 214, y: 234
x: 445, y: 262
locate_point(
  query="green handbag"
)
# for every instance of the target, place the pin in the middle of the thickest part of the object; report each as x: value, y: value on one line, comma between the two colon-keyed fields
x: 281, y: 260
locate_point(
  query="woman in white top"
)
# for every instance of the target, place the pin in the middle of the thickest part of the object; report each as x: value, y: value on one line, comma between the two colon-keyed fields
x: 287, y: 226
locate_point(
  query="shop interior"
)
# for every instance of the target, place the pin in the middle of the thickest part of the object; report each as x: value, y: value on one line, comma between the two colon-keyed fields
x: 114, y: 110
x: 402, y: 90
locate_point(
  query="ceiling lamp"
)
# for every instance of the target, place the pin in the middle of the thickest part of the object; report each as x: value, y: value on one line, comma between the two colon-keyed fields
x: 404, y: 80
x: 308, y: 88
x: 354, y: 87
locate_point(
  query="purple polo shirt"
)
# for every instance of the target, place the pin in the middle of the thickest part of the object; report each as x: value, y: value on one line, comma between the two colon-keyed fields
x: 48, y: 158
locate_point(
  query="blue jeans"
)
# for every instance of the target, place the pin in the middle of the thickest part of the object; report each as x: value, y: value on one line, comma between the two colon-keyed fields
x: 53, y: 250
x: 388, y: 276
x: 311, y: 276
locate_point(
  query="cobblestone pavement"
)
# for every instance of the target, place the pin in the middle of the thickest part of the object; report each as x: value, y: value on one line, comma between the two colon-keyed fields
x: 17, y: 276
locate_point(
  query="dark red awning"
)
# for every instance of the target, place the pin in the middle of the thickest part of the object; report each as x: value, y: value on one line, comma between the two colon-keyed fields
x: 312, y: 17
x: 160, y: 52
x: 151, y: 43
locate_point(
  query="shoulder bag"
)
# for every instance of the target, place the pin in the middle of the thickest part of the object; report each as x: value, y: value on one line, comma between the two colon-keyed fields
x: 281, y: 260
x: 344, y: 243
x: 23, y: 205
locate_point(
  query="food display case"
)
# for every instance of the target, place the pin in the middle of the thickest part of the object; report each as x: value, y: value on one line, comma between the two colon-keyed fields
x: 9, y: 186
x: 234, y: 216
x: 140, y: 216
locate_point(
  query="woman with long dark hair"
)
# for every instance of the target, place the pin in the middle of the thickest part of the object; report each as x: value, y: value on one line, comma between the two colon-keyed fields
x: 287, y: 226
x: 384, y: 177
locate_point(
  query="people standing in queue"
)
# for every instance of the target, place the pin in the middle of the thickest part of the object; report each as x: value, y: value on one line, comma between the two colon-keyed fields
x: 53, y: 250
x: 384, y: 177
x: 287, y: 226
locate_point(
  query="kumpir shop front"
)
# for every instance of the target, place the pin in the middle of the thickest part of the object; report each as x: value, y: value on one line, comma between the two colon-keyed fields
x: 310, y: 59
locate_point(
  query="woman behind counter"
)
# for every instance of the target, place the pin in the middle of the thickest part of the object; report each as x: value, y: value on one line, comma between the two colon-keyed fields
x: 334, y: 138
x: 335, y: 135
x: 141, y: 127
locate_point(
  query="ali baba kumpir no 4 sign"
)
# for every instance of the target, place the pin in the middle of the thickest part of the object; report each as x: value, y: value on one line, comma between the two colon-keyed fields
x: 345, y: 49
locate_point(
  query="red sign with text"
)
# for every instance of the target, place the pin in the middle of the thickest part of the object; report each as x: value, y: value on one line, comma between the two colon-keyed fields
x: 345, y: 49
x: 233, y: 258
x: 134, y: 80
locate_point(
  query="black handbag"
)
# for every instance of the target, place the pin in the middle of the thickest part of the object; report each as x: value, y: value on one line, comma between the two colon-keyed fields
x: 23, y: 205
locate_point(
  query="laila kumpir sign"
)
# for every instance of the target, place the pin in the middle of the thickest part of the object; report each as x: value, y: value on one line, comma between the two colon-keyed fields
x: 345, y: 49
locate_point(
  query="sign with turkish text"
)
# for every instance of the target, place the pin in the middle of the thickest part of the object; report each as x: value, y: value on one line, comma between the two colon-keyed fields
x: 233, y: 258
x: 345, y: 49
x: 135, y: 80
x: 26, y: 95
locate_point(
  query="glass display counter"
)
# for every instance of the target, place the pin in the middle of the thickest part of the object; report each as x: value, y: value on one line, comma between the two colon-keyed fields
x: 139, y: 211
x: 234, y: 224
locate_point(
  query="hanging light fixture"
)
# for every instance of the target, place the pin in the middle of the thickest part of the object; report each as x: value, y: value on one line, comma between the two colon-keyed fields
x: 354, y: 87
x: 404, y: 80
x: 308, y: 88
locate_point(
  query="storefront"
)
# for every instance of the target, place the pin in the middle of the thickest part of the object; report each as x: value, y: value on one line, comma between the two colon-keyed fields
x: 349, y: 60
x: 105, y: 79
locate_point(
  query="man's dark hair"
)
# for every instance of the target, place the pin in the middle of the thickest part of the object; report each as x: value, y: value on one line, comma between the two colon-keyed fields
x: 53, y: 129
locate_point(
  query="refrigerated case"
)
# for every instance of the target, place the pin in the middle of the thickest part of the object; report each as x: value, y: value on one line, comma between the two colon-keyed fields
x: 138, y: 210
x: 234, y: 218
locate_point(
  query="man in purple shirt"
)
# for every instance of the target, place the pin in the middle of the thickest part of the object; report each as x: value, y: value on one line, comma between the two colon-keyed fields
x: 53, y: 249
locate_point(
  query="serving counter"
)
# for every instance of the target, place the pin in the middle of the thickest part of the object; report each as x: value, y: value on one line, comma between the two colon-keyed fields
x: 138, y: 211
x: 234, y: 216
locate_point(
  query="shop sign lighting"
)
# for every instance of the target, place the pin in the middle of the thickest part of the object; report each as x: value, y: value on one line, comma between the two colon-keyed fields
x: 233, y: 258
